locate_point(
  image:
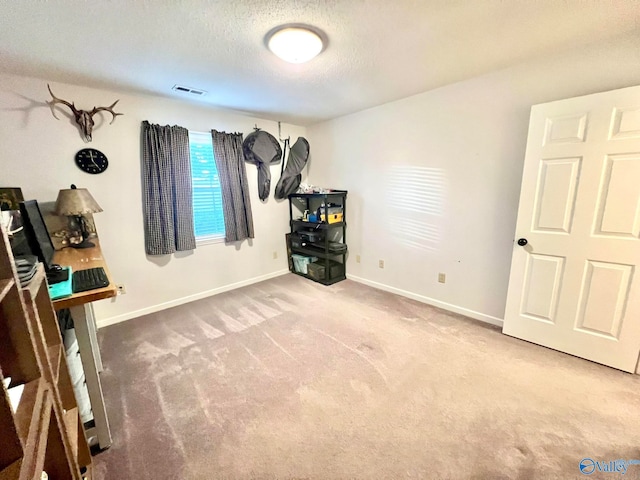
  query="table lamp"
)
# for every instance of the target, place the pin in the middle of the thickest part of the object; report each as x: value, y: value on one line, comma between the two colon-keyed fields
x: 76, y: 202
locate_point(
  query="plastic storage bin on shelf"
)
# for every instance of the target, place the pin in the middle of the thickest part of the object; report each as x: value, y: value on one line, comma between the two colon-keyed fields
x: 317, y: 271
x: 300, y: 262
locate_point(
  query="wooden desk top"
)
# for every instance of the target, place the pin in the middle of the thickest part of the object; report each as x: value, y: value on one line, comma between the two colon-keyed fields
x: 80, y: 259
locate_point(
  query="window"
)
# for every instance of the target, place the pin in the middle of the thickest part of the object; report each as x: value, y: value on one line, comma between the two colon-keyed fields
x: 208, y: 217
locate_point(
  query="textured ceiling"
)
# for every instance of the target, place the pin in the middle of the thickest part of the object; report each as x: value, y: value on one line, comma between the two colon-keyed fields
x: 378, y: 50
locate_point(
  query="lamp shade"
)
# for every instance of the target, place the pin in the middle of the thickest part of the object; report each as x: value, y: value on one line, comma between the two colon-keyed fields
x: 76, y: 201
x: 295, y: 44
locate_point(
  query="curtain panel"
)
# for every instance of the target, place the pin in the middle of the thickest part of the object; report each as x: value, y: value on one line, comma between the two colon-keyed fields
x: 166, y: 189
x: 229, y: 157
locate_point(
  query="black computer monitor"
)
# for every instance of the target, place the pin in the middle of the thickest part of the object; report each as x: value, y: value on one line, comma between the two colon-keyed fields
x: 37, y: 235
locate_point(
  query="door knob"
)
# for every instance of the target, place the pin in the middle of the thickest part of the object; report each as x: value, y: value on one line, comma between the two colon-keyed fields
x: 522, y: 242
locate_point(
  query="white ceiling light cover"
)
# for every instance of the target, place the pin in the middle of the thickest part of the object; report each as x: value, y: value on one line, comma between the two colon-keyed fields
x: 295, y: 44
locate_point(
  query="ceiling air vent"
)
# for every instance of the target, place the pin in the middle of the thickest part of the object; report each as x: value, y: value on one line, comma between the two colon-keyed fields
x: 192, y: 91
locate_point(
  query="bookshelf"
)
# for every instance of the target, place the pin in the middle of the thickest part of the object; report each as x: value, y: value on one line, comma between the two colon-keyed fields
x: 42, y: 431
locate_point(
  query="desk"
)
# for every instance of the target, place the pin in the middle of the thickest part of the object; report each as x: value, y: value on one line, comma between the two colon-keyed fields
x: 86, y: 331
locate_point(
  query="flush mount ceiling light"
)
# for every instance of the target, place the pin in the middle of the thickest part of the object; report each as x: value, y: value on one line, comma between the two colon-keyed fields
x: 295, y: 44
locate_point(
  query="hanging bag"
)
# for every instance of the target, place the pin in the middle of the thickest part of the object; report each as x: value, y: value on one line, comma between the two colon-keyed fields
x: 263, y: 150
x: 291, y: 176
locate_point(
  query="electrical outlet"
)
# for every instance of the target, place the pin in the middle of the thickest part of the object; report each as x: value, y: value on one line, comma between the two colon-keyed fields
x: 275, y: 255
x: 121, y: 289
x: 381, y: 263
x: 442, y: 277
x: 357, y: 258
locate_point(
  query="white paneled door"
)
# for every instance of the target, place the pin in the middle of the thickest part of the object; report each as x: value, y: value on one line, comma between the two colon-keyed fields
x: 574, y: 283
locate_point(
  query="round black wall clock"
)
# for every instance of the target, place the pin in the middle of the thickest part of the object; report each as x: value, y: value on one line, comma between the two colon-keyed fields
x: 91, y: 160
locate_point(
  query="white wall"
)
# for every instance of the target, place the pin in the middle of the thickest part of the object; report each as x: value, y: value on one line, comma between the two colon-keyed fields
x: 434, y: 179
x: 37, y: 154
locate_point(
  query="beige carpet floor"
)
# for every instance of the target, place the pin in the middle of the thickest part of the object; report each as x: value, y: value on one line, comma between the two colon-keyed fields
x: 289, y: 379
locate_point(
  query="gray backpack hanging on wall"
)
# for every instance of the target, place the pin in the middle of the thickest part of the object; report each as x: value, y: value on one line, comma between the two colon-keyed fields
x: 291, y: 175
x: 263, y: 150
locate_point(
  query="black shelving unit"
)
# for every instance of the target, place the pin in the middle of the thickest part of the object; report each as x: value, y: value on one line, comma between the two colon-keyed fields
x: 330, y: 266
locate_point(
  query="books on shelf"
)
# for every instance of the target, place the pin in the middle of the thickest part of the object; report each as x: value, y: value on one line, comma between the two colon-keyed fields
x: 27, y: 266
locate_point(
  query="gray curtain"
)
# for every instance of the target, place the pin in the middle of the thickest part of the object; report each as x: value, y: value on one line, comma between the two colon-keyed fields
x: 166, y: 186
x: 227, y: 151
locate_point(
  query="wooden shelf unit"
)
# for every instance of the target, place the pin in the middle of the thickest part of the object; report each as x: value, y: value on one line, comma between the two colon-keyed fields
x: 45, y: 432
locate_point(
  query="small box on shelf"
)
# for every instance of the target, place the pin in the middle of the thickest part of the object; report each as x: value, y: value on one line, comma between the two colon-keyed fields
x: 331, y: 217
x: 318, y: 270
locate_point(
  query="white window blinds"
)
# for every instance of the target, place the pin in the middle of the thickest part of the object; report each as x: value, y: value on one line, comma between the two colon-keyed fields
x: 208, y: 216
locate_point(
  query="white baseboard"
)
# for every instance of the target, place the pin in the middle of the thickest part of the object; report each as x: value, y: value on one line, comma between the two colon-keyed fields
x: 225, y: 288
x: 430, y: 301
x: 181, y: 301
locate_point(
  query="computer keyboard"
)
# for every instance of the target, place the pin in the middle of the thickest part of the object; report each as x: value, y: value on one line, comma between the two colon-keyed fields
x: 89, y: 279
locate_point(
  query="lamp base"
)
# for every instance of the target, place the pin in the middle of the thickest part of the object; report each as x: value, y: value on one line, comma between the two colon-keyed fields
x: 84, y: 244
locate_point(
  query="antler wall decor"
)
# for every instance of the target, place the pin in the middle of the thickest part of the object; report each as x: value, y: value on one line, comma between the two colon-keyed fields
x: 83, y: 118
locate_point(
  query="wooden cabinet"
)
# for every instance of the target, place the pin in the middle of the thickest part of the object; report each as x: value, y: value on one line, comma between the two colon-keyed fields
x: 44, y: 432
